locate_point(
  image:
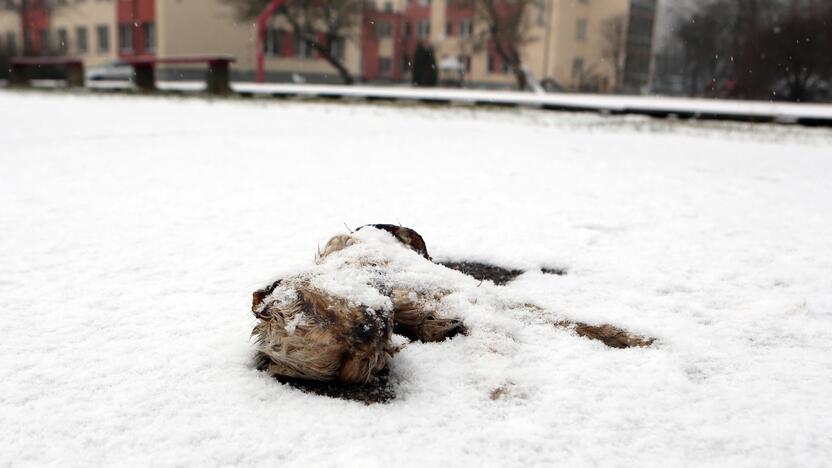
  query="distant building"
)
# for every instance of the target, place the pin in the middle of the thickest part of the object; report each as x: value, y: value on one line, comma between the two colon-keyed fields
x: 568, y: 49
x: 640, y: 39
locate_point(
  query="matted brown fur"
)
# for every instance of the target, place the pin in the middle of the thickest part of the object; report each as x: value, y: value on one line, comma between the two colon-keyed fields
x: 416, y: 317
x: 611, y: 336
x: 322, y: 337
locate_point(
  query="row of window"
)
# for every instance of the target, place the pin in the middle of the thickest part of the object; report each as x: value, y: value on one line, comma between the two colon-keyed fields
x: 387, y: 6
x: 59, y: 40
x: 464, y: 28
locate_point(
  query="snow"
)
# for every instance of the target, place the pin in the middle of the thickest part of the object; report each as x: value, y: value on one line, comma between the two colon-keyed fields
x: 134, y: 230
x: 785, y: 112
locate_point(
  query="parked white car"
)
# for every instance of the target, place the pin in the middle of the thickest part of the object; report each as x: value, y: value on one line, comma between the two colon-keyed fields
x: 117, y: 70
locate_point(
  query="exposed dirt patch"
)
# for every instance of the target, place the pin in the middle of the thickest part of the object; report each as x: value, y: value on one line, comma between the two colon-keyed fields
x: 497, y: 274
x: 484, y: 271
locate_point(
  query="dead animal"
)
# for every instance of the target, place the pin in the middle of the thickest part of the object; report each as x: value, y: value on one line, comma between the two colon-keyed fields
x: 335, y: 321
x: 307, y: 330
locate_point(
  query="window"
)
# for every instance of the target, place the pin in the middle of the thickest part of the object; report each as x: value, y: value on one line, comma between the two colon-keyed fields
x: 465, y: 28
x: 384, y: 29
x: 63, y: 41
x: 466, y: 62
x: 424, y: 3
x: 388, y: 7
x: 407, y: 29
x: 405, y: 63
x: 385, y: 66
x: 149, y: 35
x: 102, y: 38
x: 11, y: 43
x: 272, y: 46
x: 81, y: 41
x: 125, y: 38
x: 580, y: 30
x: 449, y: 29
x: 45, y: 41
x: 338, y: 48
x: 504, y: 67
x: 303, y: 49
x: 424, y: 29
x: 577, y: 68
x: 491, y: 65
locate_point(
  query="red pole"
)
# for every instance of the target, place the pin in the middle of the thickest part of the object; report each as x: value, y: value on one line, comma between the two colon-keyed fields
x: 262, y: 22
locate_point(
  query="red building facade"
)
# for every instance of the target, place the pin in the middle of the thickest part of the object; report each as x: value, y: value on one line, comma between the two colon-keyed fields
x: 383, y: 60
x: 136, y: 33
x: 34, y: 23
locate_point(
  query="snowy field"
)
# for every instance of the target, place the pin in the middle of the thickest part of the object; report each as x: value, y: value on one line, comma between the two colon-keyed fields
x: 135, y: 229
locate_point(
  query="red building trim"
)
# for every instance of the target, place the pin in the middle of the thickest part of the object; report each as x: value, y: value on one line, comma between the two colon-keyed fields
x: 34, y: 20
x: 135, y: 14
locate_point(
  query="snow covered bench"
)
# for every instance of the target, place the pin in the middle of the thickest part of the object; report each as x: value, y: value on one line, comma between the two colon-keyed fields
x: 20, y: 69
x: 216, y: 78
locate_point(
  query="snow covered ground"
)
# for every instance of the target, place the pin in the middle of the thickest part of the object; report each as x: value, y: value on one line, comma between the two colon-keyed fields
x: 135, y: 229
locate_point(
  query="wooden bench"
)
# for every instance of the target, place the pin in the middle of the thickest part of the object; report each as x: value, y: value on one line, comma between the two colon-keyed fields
x: 20, y: 69
x: 217, y: 77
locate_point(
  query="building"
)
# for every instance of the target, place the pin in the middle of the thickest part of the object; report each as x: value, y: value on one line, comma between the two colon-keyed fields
x: 568, y: 49
x: 639, y: 65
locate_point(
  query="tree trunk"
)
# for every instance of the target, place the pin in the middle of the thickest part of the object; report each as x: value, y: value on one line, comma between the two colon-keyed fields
x: 326, y: 51
x: 520, y: 76
x: 513, y: 58
x: 345, y: 75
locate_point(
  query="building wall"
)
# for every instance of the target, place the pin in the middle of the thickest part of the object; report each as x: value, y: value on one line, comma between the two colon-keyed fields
x: 9, y: 27
x: 89, y: 15
x: 209, y: 27
x: 203, y: 27
x: 568, y: 50
x: 551, y: 53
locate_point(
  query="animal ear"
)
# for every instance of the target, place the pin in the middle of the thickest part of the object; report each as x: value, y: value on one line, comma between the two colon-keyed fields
x: 336, y: 244
x: 410, y: 238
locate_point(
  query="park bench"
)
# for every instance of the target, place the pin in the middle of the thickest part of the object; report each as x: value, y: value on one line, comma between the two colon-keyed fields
x: 216, y: 78
x: 21, y: 69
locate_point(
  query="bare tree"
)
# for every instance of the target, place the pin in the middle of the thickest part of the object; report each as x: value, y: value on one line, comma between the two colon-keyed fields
x: 796, y: 63
x: 324, y: 25
x: 508, y: 26
x: 614, y: 47
x: 758, y: 49
x: 706, y: 45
